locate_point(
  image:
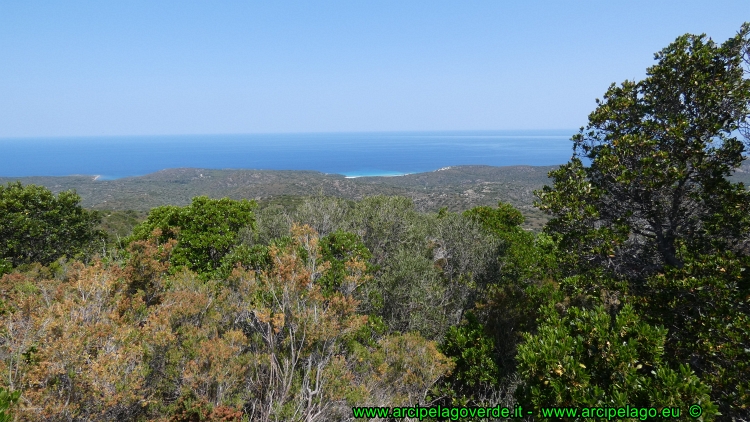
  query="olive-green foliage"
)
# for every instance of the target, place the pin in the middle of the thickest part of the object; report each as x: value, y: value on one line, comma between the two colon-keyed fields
x: 119, y: 224
x: 410, y: 295
x: 659, y: 153
x: 464, y: 252
x: 206, y: 230
x: 325, y: 215
x: 594, y: 358
x: 429, y: 267
x: 37, y: 226
x: 271, y: 221
x: 387, y: 224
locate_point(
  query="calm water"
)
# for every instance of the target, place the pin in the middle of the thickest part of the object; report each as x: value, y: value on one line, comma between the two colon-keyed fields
x: 351, y: 154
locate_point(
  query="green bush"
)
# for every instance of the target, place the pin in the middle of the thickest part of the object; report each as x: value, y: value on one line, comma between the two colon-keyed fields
x: 339, y: 248
x: 594, y: 358
x: 37, y: 226
x: 472, y: 351
x: 205, y: 230
x: 8, y: 399
x: 706, y: 304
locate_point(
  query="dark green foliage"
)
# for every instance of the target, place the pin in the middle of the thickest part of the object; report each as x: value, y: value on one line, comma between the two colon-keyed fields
x: 254, y: 257
x: 472, y: 350
x: 37, y: 226
x: 706, y: 307
x: 508, y: 311
x: 645, y: 213
x: 5, y: 266
x: 660, y: 151
x: 206, y: 230
x: 524, y: 282
x: 596, y: 359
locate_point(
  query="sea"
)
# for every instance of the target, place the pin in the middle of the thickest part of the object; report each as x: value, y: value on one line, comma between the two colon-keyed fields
x: 349, y: 154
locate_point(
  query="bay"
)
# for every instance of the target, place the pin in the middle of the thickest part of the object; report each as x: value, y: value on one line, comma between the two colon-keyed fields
x: 350, y: 154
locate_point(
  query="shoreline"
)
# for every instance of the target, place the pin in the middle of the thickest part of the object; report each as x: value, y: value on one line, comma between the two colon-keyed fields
x: 377, y: 175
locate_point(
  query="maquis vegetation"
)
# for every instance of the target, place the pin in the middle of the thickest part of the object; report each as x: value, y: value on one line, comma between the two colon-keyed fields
x: 636, y: 293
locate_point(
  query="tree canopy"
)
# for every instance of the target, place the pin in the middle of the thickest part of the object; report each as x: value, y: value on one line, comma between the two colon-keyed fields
x: 649, y: 172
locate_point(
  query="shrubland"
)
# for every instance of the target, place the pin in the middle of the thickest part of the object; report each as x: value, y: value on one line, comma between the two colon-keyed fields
x: 636, y: 293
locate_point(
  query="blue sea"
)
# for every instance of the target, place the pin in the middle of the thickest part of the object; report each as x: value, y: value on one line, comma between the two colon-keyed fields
x: 350, y: 154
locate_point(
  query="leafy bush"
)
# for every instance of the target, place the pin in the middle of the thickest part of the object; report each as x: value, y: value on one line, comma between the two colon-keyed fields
x: 205, y: 231
x: 37, y: 226
x: 8, y: 399
x: 472, y: 351
x: 706, y: 306
x: 593, y: 358
x: 342, y: 249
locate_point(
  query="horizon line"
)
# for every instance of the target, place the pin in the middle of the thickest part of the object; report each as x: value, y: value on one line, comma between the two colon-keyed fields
x: 282, y: 133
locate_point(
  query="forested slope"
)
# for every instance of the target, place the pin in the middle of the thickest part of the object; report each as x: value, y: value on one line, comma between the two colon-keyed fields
x: 457, y: 188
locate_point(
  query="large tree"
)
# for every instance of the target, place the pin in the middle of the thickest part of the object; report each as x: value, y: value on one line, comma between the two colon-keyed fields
x: 645, y: 213
x: 649, y: 172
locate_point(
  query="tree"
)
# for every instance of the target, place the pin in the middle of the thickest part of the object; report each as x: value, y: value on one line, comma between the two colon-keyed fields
x: 658, y: 152
x: 644, y: 213
x: 37, y: 226
x: 509, y: 305
x: 523, y: 256
x: 205, y: 230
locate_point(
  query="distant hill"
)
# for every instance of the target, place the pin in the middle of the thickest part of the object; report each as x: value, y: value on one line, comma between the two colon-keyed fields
x: 457, y: 188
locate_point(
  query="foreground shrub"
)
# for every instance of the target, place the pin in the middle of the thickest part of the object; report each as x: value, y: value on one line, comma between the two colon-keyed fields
x: 109, y: 343
x: 592, y: 358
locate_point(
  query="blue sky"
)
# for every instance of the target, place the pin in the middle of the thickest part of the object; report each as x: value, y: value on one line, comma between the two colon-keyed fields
x: 92, y: 68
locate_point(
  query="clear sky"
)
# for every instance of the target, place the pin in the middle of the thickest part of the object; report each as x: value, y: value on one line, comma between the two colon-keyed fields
x: 80, y: 68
